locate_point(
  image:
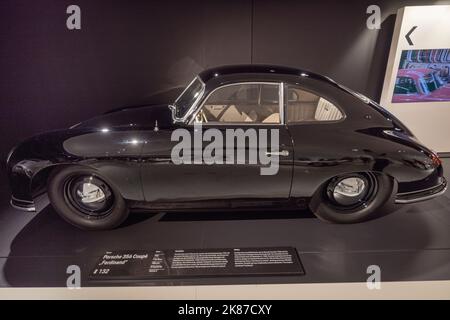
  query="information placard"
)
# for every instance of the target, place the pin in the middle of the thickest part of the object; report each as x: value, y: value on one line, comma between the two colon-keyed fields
x: 143, y: 264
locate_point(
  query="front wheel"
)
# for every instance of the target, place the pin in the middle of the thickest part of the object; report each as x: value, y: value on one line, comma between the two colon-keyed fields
x: 352, y: 198
x: 85, y: 199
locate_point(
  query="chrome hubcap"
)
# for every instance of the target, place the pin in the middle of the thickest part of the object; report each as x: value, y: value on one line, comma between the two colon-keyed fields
x: 349, y: 191
x: 90, y: 195
x: 350, y: 187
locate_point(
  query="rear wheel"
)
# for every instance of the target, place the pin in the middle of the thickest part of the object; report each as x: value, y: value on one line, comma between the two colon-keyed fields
x: 352, y: 198
x: 85, y: 199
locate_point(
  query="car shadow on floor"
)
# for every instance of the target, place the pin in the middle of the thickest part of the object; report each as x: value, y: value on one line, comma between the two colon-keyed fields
x: 42, y: 250
x: 237, y: 215
x: 139, y: 216
x: 47, y: 234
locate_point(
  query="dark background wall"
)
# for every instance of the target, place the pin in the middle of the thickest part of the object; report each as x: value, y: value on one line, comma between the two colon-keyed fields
x: 137, y: 52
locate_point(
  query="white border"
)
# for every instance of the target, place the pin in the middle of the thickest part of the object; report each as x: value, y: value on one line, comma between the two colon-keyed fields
x: 354, y: 291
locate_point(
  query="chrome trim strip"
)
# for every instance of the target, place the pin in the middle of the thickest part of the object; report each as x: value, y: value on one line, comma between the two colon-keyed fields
x: 281, y: 111
x: 421, y: 190
x: 10, y: 154
x: 185, y: 89
x: 283, y: 153
x: 191, y: 121
x: 20, y: 200
x: 27, y: 209
x: 423, y: 198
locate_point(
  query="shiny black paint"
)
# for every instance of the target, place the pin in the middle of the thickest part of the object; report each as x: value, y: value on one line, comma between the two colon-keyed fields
x: 165, y: 181
x: 131, y: 147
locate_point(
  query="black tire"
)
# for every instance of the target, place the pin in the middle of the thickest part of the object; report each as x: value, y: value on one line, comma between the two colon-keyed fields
x: 107, y: 213
x: 379, y: 194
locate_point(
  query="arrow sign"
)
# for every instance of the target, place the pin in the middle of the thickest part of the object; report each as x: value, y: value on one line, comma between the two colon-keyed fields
x: 408, y: 34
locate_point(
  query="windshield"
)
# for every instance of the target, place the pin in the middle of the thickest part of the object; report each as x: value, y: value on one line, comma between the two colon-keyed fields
x: 188, y: 97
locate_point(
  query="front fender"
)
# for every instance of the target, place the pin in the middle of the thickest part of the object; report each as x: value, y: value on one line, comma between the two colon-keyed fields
x: 113, y: 154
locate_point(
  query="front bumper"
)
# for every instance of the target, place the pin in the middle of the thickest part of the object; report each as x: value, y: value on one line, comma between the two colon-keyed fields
x: 24, y: 205
x: 421, y: 195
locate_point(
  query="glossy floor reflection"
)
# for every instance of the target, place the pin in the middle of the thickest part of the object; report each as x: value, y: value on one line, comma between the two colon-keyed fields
x: 413, y: 243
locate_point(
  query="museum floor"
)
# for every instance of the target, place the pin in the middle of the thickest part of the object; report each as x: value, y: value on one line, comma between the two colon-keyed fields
x: 411, y: 244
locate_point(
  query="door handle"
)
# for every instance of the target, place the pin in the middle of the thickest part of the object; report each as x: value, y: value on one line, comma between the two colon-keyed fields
x: 283, y: 153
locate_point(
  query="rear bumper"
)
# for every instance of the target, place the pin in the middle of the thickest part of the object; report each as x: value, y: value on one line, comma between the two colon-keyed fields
x: 24, y: 205
x: 421, y: 195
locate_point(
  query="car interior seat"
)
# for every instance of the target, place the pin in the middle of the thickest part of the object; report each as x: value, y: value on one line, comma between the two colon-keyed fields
x: 302, y: 106
x: 326, y: 111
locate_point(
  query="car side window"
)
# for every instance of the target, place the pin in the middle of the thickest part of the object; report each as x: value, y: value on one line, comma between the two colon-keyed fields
x: 305, y: 106
x: 242, y: 103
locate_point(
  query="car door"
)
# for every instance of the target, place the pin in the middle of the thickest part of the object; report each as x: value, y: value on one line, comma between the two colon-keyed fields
x: 320, y: 136
x: 226, y: 136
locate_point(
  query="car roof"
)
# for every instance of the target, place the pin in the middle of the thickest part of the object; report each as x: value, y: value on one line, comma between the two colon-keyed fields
x: 209, y: 74
x: 414, y: 73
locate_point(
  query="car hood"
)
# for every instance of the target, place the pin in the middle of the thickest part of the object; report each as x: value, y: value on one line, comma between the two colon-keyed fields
x: 143, y: 116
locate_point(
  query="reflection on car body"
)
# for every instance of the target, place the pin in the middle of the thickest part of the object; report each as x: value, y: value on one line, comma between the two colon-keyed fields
x: 340, y: 152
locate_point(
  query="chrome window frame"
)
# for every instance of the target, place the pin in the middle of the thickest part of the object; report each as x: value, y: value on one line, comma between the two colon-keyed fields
x: 280, y: 104
x: 192, y: 107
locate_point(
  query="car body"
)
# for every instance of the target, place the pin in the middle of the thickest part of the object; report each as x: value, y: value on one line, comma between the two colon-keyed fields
x: 420, y: 85
x: 357, y: 146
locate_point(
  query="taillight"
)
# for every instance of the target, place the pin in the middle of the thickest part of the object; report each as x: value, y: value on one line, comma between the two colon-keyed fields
x: 435, y: 159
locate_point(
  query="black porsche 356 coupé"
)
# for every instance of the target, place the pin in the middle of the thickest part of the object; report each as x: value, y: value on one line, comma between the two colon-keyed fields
x: 339, y: 152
